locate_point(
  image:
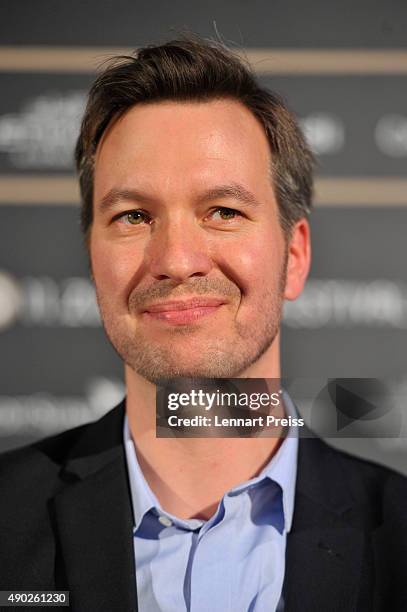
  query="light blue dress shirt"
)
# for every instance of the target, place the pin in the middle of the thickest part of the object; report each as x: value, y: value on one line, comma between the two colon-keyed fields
x: 233, y: 562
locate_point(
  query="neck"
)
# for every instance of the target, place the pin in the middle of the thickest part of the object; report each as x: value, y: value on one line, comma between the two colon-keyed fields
x: 174, y: 466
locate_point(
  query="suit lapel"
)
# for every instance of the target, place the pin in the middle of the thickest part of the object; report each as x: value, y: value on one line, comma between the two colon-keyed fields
x: 94, y: 522
x: 325, y: 552
x: 323, y: 569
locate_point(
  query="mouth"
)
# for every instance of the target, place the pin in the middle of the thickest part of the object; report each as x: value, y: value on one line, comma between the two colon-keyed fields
x: 183, y: 312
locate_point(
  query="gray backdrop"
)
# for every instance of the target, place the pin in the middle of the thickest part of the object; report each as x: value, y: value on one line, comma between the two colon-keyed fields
x: 342, y: 68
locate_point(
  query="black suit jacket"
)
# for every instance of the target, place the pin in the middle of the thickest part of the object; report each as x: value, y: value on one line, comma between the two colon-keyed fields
x: 66, y: 523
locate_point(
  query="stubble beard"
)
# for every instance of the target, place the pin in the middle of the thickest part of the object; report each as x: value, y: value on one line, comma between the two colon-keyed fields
x: 219, y: 357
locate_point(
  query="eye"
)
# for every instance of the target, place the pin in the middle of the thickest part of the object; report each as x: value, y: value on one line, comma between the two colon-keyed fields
x: 226, y: 214
x: 133, y: 217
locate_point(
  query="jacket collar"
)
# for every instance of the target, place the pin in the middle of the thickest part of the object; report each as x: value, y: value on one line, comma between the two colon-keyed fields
x: 325, y: 552
x: 94, y: 521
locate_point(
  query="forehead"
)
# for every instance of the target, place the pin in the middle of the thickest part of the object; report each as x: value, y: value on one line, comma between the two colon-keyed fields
x: 183, y: 143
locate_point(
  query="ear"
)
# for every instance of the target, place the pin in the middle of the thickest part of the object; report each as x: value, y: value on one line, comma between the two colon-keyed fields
x: 299, y: 259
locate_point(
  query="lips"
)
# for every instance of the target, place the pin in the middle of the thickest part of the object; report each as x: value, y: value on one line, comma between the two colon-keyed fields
x: 181, y: 312
x: 184, y: 304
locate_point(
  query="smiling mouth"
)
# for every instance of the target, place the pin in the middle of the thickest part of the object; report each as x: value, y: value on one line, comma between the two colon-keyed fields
x: 183, y: 312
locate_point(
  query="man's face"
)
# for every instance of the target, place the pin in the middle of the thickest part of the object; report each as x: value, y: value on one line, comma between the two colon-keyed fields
x: 187, y: 253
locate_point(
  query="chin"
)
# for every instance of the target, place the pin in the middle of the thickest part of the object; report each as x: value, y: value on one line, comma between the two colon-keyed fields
x: 161, y: 374
x: 219, y: 356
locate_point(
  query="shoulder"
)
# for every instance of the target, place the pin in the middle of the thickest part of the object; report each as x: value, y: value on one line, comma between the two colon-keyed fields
x: 370, y: 484
x: 31, y: 479
x: 371, y: 472
x: 36, y: 471
x: 35, y: 468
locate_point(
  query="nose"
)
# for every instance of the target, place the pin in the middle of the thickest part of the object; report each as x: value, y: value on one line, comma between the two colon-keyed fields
x: 177, y: 250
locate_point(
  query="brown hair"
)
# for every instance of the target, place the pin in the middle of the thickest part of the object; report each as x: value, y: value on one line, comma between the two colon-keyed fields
x: 193, y: 69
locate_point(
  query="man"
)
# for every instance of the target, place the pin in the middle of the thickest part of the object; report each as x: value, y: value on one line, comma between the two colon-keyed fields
x: 196, y: 186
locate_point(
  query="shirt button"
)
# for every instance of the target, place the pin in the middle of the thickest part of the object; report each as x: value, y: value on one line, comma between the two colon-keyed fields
x: 164, y: 520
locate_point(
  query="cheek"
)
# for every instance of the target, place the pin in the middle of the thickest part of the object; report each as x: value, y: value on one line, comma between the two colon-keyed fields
x: 258, y: 265
x: 113, y: 268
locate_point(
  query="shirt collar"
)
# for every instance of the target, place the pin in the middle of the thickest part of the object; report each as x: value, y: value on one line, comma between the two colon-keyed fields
x: 142, y: 497
x: 282, y: 469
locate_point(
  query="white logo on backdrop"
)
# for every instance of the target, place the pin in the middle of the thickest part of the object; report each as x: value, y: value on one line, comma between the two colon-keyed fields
x: 45, y: 302
x: 391, y: 135
x: 43, y: 134
x: 11, y: 300
x: 68, y: 302
x: 42, y: 414
x: 324, y: 132
x: 348, y: 303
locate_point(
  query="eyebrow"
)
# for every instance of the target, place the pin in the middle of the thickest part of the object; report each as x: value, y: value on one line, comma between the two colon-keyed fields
x: 115, y: 195
x: 234, y: 191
